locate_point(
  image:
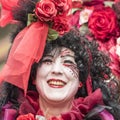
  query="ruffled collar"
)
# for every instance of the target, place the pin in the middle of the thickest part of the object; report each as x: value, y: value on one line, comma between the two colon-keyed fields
x: 80, y: 108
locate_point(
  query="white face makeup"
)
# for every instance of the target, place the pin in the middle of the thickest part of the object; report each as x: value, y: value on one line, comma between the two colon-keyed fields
x: 57, y: 77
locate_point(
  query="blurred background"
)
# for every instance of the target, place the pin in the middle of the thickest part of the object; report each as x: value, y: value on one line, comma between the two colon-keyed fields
x: 5, y: 43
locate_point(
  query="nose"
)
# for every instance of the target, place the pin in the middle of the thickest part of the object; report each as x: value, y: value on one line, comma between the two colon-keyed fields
x: 56, y: 68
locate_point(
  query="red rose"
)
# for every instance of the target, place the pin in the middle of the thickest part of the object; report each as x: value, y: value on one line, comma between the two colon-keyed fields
x: 6, y: 12
x: 74, y: 19
x: 60, y: 24
x: 45, y: 10
x: 103, y: 23
x: 26, y: 117
x: 61, y: 5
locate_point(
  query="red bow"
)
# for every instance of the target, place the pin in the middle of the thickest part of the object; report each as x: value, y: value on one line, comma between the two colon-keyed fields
x: 28, y: 48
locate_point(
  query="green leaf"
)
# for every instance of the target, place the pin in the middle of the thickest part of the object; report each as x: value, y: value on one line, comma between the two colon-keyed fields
x: 52, y: 34
x: 31, y: 18
x: 84, y: 29
x: 75, y: 9
x: 109, y: 3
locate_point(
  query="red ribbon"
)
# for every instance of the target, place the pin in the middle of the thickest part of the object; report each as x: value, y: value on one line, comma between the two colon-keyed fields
x: 27, y: 48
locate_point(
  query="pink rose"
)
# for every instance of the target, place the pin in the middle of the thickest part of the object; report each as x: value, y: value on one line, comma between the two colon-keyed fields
x: 6, y: 12
x: 103, y: 23
x: 26, y: 117
x: 45, y: 10
x: 116, y: 8
x: 61, y: 5
x: 118, y: 47
x: 60, y: 24
x: 115, y: 62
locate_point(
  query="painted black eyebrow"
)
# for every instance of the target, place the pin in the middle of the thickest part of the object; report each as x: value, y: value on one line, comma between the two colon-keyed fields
x: 63, y: 56
x: 67, y: 56
x: 48, y: 56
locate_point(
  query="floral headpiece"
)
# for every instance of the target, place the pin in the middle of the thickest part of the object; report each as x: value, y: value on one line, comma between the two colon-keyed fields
x: 100, y: 20
x: 48, y: 20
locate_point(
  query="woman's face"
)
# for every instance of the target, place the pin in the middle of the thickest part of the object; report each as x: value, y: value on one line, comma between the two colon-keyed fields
x: 57, y: 77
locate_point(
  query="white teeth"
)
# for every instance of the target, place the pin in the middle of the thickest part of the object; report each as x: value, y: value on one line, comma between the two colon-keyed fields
x: 57, y: 83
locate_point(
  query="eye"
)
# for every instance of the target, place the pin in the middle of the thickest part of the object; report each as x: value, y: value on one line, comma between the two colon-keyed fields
x: 47, y: 61
x: 68, y: 61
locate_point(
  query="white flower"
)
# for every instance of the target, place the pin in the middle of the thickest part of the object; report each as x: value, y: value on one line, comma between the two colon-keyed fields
x: 39, y: 117
x: 118, y: 50
x: 84, y: 15
x: 118, y: 41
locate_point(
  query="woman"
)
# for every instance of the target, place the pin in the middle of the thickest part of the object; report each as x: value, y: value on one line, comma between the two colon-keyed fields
x: 69, y: 79
x: 67, y: 62
x: 58, y: 86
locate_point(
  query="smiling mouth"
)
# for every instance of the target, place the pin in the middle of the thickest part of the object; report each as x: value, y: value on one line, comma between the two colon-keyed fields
x: 55, y: 83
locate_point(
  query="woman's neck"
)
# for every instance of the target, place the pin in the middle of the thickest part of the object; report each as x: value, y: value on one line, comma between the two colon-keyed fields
x: 53, y: 108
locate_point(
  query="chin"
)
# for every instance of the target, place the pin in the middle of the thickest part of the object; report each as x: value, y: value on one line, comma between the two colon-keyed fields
x: 56, y: 99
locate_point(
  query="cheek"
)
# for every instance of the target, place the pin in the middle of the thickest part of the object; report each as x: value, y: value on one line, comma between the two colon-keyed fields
x: 40, y: 78
x: 42, y: 71
x: 72, y: 71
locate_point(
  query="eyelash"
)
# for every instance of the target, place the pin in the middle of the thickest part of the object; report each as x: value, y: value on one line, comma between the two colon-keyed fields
x: 47, y: 61
x: 50, y: 61
x: 68, y: 61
